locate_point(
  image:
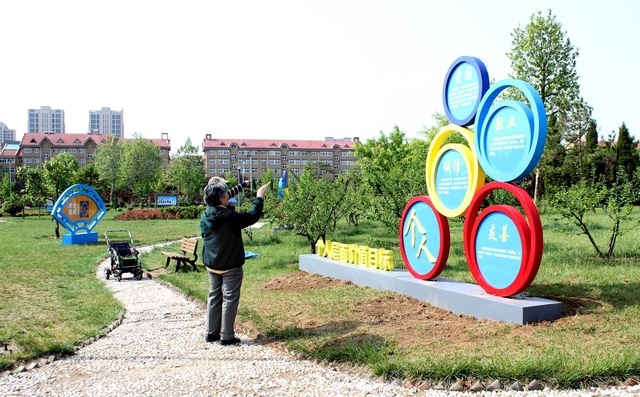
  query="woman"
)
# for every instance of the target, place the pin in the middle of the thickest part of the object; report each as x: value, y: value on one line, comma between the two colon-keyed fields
x: 223, y: 256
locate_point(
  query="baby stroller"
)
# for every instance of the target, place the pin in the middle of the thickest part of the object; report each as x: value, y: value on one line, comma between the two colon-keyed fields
x: 125, y: 258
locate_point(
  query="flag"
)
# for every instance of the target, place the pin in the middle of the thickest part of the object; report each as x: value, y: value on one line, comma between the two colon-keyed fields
x: 283, y: 185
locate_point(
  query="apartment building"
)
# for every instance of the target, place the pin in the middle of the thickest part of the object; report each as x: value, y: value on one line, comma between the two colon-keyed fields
x: 6, y: 134
x: 46, y: 120
x: 36, y: 148
x: 106, y: 121
x: 251, y: 158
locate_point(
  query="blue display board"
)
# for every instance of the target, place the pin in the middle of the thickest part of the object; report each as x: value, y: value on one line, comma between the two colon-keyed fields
x: 498, y: 250
x: 452, y: 177
x: 424, y: 238
x: 78, y: 210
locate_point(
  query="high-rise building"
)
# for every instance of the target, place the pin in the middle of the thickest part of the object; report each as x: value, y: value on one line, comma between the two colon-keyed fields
x: 6, y: 134
x: 46, y: 120
x: 106, y: 121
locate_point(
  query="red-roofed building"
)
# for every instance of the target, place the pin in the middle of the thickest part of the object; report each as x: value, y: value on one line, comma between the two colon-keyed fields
x: 36, y: 148
x: 253, y: 157
x: 8, y: 153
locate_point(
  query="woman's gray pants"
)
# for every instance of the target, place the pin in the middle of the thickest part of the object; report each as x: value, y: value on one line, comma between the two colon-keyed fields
x: 222, y: 305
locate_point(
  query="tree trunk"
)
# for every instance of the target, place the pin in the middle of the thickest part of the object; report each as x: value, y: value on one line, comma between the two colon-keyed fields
x: 535, y: 189
x: 111, y: 196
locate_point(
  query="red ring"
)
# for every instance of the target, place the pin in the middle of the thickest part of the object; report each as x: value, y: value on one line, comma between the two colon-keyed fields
x: 532, y: 261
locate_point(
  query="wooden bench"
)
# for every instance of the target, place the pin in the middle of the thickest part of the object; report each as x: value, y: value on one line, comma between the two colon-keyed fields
x: 187, y: 246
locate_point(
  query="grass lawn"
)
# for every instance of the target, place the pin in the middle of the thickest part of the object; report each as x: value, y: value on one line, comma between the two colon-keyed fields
x: 50, y: 300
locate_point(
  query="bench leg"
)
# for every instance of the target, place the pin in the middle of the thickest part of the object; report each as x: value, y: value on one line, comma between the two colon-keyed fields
x: 168, y: 260
x: 193, y: 264
x: 178, y: 261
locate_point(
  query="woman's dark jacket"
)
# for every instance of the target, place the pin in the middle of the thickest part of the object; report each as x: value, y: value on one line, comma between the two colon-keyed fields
x: 221, y: 230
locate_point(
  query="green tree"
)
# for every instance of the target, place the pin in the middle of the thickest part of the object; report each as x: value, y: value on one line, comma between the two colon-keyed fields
x: 89, y: 176
x: 272, y: 202
x: 356, y: 200
x: 108, y: 163
x: 6, y: 186
x: 35, y: 185
x: 543, y: 55
x: 60, y: 173
x: 186, y: 171
x: 141, y: 167
x: 591, y: 140
x: 393, y: 171
x: 626, y: 152
x: 585, y: 197
x: 312, y: 205
x: 577, y: 122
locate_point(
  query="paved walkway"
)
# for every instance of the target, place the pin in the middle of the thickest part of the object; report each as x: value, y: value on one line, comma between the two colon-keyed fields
x: 159, y: 350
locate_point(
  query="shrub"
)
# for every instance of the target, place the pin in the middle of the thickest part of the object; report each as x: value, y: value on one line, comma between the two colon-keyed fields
x: 141, y: 215
x: 12, y: 205
x: 190, y: 212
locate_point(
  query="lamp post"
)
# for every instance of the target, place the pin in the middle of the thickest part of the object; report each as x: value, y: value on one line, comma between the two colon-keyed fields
x: 250, y: 170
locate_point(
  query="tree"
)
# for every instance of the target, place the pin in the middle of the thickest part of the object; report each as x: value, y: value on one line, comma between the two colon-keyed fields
x: 591, y: 140
x: 583, y: 198
x: 356, y: 200
x: 626, y: 152
x: 577, y: 122
x: 35, y: 185
x: 108, y: 163
x: 312, y: 205
x: 186, y: 171
x: 393, y: 171
x: 6, y: 186
x: 89, y: 175
x: 60, y: 173
x: 141, y: 167
x: 542, y: 55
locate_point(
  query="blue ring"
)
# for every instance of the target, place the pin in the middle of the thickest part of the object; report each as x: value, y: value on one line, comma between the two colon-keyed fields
x: 483, y: 81
x: 538, y: 129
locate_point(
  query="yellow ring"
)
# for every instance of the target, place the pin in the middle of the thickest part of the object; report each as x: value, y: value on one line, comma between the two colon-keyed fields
x: 476, y: 174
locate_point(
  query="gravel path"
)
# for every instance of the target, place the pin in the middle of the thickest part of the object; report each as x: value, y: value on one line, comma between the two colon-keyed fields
x: 159, y: 350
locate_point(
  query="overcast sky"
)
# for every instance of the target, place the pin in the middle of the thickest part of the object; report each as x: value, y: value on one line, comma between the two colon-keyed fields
x: 289, y: 68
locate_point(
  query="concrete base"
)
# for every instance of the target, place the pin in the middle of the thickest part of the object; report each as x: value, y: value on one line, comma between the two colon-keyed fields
x: 454, y: 296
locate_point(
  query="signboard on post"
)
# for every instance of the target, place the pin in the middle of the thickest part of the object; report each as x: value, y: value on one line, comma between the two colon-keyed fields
x: 165, y: 200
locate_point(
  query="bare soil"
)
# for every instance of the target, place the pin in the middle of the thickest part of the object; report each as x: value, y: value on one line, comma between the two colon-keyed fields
x: 414, y: 323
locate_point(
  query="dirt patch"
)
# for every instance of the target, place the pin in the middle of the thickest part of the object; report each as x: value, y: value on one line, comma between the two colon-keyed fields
x: 303, y: 281
x: 411, y: 322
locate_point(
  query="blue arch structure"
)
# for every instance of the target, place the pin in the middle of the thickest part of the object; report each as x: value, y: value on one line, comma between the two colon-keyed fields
x: 78, y: 210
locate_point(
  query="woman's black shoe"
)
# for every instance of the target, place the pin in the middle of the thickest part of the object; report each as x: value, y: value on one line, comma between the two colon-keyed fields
x: 211, y: 338
x: 233, y: 341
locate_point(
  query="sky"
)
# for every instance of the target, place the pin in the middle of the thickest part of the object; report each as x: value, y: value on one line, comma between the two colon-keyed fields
x: 289, y: 69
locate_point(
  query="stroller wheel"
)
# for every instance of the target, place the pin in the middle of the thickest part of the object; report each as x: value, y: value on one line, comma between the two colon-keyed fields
x: 118, y: 276
x: 107, y: 273
x: 139, y: 275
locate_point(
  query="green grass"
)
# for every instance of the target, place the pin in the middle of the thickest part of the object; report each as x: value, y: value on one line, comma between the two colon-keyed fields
x: 50, y: 300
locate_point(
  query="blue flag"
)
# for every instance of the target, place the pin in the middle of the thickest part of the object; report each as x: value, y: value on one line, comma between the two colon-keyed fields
x: 283, y: 185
